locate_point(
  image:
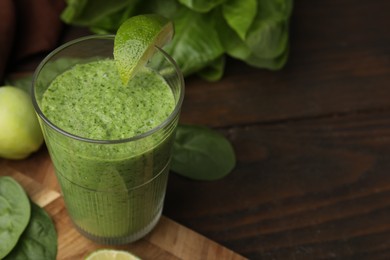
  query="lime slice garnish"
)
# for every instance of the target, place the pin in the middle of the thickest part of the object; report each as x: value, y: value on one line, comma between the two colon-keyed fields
x: 111, y: 254
x: 135, y: 42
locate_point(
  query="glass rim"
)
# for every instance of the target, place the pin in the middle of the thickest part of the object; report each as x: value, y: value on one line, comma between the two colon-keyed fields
x: 40, y: 113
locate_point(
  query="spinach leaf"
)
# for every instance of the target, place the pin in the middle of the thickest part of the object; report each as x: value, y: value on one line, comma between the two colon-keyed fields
x: 268, y: 51
x: 108, y: 24
x: 201, y: 6
x: 166, y: 8
x: 39, y: 240
x: 233, y: 12
x: 268, y: 40
x: 202, y: 154
x: 214, y: 71
x: 271, y: 63
x: 15, y: 213
x: 196, y: 43
x: 88, y: 12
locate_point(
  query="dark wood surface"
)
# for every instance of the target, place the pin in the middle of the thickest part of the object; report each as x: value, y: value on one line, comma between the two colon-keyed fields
x: 312, y: 179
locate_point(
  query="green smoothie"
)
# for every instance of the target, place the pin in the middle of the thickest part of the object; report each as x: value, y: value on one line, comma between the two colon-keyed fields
x: 114, y: 190
x: 90, y: 101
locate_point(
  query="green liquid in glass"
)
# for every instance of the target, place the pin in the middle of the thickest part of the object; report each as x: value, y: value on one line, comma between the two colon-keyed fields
x: 113, y: 192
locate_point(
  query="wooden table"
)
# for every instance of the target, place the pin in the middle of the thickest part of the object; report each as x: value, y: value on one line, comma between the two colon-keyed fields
x: 312, y: 141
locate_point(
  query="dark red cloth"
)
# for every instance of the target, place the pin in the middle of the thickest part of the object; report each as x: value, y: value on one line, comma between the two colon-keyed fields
x: 27, y: 27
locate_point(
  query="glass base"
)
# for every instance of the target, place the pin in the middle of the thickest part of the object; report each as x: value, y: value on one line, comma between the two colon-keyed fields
x: 121, y: 240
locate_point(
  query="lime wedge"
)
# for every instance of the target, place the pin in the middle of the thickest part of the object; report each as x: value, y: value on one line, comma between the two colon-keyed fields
x: 111, y: 254
x: 135, y: 42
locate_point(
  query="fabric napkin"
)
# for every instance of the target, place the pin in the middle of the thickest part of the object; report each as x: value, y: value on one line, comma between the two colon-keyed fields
x: 28, y: 28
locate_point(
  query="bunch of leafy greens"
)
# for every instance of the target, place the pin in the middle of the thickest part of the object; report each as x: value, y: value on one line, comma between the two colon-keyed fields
x: 255, y: 31
x: 26, y: 230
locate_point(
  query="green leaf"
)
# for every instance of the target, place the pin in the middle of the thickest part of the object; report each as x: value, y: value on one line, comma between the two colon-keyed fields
x: 214, y: 71
x: 239, y: 14
x: 232, y: 43
x: 201, y: 6
x: 39, y: 240
x: 89, y: 12
x: 202, y: 154
x: 271, y: 63
x: 110, y: 23
x: 15, y: 213
x: 275, y: 8
x: 166, y: 8
x: 266, y: 46
x: 196, y: 43
x: 267, y: 38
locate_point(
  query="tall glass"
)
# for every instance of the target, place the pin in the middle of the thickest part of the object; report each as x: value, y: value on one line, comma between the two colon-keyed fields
x: 113, y: 189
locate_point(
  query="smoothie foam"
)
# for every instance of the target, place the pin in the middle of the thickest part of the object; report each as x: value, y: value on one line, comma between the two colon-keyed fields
x: 90, y: 101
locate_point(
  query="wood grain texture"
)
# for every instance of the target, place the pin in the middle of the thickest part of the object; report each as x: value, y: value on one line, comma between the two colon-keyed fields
x: 304, y: 189
x: 168, y: 240
x: 41, y: 195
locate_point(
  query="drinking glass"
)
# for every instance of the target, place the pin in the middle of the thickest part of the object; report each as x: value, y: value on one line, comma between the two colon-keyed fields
x: 113, y: 189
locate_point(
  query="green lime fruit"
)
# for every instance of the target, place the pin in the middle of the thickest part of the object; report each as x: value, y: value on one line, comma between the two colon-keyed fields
x: 135, y: 42
x: 20, y: 133
x: 111, y: 254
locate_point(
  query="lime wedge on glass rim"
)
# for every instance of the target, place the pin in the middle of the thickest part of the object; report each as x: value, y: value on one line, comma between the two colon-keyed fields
x: 135, y: 42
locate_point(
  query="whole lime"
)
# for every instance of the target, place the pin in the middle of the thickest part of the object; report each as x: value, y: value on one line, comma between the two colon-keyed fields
x: 20, y: 133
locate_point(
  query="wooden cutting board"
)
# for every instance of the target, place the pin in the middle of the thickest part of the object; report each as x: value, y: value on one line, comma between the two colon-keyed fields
x: 169, y: 240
